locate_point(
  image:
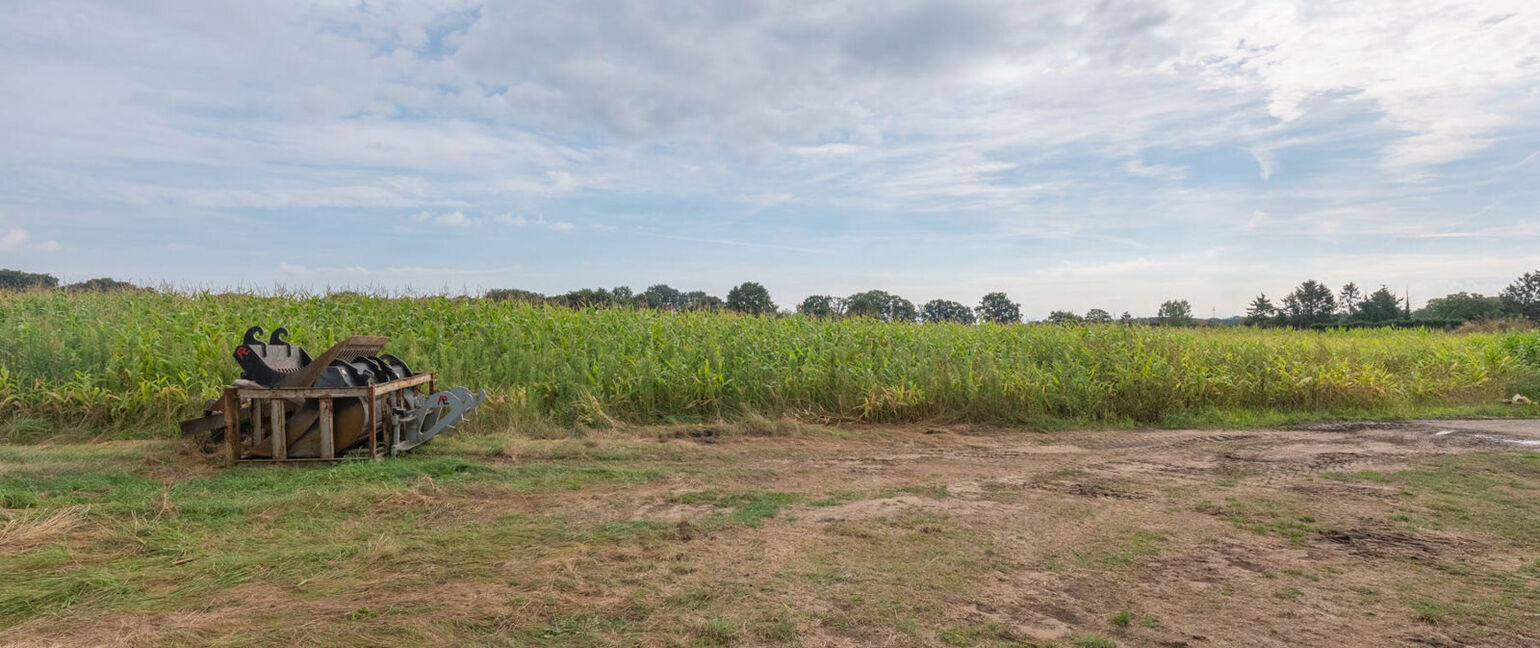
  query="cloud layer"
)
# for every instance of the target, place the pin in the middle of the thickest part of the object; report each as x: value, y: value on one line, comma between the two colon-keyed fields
x: 1071, y: 153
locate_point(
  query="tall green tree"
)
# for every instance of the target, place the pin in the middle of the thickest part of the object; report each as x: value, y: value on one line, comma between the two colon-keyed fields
x: 1462, y: 306
x: 1381, y: 306
x: 945, y: 310
x: 698, y: 300
x: 1310, y: 303
x: 1098, y: 316
x: 998, y: 308
x: 1522, y: 297
x: 18, y: 280
x: 1175, y: 312
x: 1261, y: 312
x: 661, y: 297
x: 1062, y: 317
x: 585, y: 298
x: 1348, y: 299
x: 751, y: 298
x: 878, y: 304
x: 822, y: 306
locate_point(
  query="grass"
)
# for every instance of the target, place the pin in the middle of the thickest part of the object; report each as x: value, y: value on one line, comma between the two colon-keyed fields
x: 131, y: 362
x: 1495, y: 493
x: 147, y: 544
x: 462, y: 546
x: 747, y: 508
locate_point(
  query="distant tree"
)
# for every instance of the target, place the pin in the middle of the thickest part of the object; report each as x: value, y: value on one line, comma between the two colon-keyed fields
x: 1098, y: 316
x: 1310, y: 303
x: 1176, y: 312
x: 101, y: 284
x: 1261, y: 312
x: 585, y: 298
x: 1381, y: 306
x: 18, y: 280
x: 1126, y: 319
x: 996, y: 307
x: 1522, y: 297
x: 661, y: 297
x: 822, y: 306
x: 1348, y: 299
x: 880, y: 305
x: 751, y: 298
x: 943, y: 310
x: 1062, y: 317
x: 510, y: 294
x: 622, y: 294
x: 698, y: 300
x: 1465, y: 307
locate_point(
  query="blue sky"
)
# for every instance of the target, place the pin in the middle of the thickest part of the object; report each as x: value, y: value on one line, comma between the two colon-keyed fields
x: 1075, y: 155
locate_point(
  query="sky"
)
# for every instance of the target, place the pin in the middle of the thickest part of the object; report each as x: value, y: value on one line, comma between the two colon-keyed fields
x: 1075, y: 155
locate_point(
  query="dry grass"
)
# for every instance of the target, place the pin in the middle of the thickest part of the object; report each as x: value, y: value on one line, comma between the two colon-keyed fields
x: 778, y: 535
x: 23, y: 530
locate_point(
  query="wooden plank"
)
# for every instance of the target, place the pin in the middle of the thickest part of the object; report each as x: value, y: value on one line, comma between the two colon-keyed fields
x: 256, y: 424
x: 205, y: 423
x: 279, y: 435
x: 232, y: 426
x: 295, y: 460
x: 328, y: 443
x: 410, y: 381
x: 374, y: 425
x: 337, y: 392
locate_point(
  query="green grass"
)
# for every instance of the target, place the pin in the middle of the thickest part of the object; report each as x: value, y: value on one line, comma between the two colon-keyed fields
x: 144, y: 543
x: 747, y: 508
x: 132, y: 362
x: 1494, y: 493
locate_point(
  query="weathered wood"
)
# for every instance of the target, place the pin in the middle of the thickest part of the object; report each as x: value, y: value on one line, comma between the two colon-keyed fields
x: 232, y: 426
x: 328, y: 449
x: 374, y: 421
x: 279, y: 436
x: 256, y: 424
x: 338, y: 392
x: 205, y: 423
x: 294, y: 460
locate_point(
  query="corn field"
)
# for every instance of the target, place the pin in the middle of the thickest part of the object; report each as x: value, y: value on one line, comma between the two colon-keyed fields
x: 140, y: 361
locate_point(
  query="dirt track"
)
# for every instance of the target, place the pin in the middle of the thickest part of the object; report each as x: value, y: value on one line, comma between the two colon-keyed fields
x: 1368, y: 534
x: 1243, y: 538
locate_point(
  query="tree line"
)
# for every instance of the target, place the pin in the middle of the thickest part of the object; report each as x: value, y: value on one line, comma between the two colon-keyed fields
x: 14, y: 280
x: 1311, y: 304
x: 752, y: 298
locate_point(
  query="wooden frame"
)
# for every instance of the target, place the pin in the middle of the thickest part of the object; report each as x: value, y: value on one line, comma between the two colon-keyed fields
x: 275, y: 433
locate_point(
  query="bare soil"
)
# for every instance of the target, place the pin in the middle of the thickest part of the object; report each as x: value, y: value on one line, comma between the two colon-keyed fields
x: 1361, y: 534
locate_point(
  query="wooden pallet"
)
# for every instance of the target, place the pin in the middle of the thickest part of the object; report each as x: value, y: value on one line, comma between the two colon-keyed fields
x: 256, y: 404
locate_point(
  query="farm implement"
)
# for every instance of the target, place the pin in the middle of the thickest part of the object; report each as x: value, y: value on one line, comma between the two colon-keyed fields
x: 287, y: 406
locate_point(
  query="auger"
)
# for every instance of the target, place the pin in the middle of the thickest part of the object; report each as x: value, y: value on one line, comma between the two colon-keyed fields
x: 287, y: 406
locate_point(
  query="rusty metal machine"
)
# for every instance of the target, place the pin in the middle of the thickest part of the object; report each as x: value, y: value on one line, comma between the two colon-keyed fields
x: 288, y: 406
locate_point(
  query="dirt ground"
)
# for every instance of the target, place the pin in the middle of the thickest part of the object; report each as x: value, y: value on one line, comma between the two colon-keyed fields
x: 1357, y: 534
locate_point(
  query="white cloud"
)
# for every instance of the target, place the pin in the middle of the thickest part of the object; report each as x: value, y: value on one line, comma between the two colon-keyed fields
x: 14, y: 239
x: 979, y: 128
x: 450, y: 219
x: 538, y: 221
x: 17, y: 239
